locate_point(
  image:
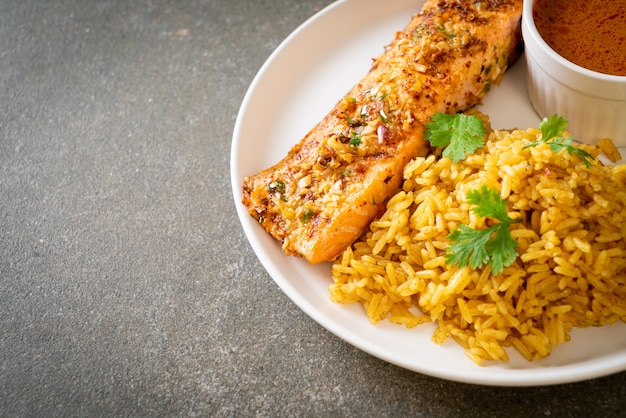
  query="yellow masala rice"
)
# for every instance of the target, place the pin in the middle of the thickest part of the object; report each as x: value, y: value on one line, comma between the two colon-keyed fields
x: 571, y: 268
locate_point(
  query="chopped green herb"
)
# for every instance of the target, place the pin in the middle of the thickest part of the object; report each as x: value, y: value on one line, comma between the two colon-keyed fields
x: 308, y: 214
x: 417, y: 33
x: 351, y: 121
x: 552, y: 130
x: 492, y: 246
x: 355, y: 139
x: 278, y: 187
x: 459, y: 134
x: 383, y: 116
x: 443, y: 30
x: 487, y: 87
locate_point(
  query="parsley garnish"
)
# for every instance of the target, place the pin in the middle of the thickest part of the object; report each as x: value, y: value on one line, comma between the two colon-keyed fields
x: 306, y: 217
x: 278, y: 187
x: 460, y: 134
x: 494, y: 245
x: 351, y: 121
x: 552, y: 130
x: 355, y: 139
x: 443, y: 30
x: 417, y: 33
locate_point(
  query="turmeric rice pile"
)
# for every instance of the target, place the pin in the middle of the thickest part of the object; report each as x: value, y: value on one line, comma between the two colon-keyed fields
x: 571, y: 268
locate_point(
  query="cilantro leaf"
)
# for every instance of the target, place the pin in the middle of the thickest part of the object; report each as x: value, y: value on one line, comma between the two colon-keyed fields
x: 459, y: 134
x: 553, y: 126
x: 558, y: 144
x: 502, y: 248
x: 468, y: 246
x: 488, y: 203
x: 493, y: 245
x: 552, y: 130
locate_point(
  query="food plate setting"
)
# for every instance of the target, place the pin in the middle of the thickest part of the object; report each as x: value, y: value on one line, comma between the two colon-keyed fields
x: 299, y: 83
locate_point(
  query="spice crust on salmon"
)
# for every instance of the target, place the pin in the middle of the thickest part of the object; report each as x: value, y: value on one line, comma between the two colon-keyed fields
x: 318, y: 199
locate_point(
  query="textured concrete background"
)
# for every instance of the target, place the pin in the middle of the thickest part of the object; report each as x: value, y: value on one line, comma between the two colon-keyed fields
x: 127, y: 286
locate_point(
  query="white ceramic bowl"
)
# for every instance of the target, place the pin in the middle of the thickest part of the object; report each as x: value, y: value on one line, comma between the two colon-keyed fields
x: 593, y: 103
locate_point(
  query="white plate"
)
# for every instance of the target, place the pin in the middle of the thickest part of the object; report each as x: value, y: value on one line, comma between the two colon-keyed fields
x: 295, y: 88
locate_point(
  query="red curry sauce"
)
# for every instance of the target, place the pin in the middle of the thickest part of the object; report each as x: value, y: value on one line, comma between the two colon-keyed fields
x: 590, y: 33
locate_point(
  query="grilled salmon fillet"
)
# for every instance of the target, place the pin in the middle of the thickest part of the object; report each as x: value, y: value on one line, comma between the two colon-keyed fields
x: 320, y: 197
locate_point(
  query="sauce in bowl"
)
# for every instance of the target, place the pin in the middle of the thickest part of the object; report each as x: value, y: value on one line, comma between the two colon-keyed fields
x: 589, y: 33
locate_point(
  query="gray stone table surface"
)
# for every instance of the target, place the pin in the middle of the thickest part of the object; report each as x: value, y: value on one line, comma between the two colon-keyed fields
x: 127, y: 286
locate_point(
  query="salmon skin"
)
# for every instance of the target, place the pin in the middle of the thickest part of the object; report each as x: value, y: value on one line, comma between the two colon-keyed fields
x: 319, y: 198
